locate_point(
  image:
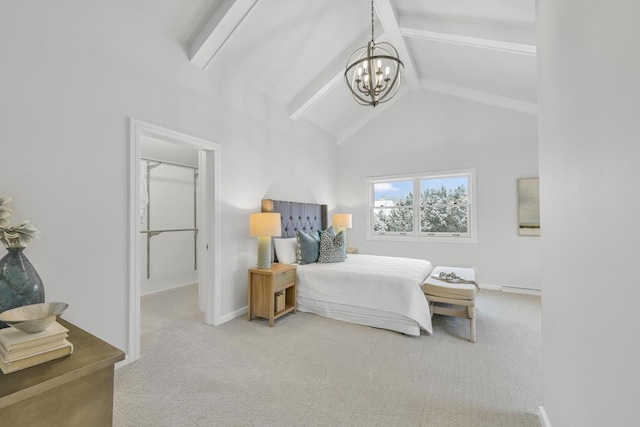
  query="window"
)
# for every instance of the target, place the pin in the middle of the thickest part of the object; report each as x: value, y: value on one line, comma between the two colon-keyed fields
x: 426, y: 207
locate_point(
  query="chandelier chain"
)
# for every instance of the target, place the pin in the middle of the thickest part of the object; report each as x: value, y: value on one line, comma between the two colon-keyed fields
x: 372, y: 39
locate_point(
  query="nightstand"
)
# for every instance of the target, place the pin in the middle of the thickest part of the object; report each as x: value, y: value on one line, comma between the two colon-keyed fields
x: 262, y: 287
x: 352, y: 250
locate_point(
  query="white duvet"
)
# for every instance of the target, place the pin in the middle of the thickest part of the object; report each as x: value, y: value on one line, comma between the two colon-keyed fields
x: 371, y: 290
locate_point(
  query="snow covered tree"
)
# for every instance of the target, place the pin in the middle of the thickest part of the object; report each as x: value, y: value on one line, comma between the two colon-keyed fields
x: 442, y: 208
x: 444, y: 211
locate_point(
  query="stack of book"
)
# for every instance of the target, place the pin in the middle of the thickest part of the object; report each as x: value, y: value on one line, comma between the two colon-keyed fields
x: 20, y: 350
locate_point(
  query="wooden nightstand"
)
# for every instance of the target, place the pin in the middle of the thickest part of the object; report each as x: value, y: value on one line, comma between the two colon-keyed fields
x: 262, y: 287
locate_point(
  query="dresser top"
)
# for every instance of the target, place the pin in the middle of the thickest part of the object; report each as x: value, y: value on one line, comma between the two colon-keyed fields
x: 90, y: 354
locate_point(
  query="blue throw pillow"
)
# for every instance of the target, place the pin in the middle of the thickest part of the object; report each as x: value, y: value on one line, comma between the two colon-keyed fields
x: 330, y: 230
x: 308, y: 247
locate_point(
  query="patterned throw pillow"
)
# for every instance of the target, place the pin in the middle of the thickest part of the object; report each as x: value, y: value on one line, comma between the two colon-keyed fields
x: 332, y: 248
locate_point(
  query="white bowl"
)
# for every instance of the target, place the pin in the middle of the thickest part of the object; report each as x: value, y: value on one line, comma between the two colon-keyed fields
x: 35, y: 317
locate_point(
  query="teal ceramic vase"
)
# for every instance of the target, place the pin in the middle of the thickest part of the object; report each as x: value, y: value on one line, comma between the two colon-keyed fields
x: 20, y: 283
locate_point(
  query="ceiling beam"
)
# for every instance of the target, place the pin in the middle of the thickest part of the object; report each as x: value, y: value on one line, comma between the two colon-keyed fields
x: 447, y: 89
x: 321, y: 86
x: 517, y: 48
x: 490, y: 30
x: 479, y: 96
x: 215, y: 34
x: 391, y: 28
x: 316, y: 97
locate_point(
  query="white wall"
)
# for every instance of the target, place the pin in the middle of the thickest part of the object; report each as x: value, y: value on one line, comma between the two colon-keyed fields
x: 428, y: 132
x: 589, y: 87
x: 72, y: 73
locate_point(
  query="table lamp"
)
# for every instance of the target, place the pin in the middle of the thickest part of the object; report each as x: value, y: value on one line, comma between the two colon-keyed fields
x: 264, y: 226
x: 341, y: 222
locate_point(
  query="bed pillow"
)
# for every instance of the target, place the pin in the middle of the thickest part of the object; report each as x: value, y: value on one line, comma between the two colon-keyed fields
x: 308, y: 247
x: 329, y: 230
x: 286, y: 250
x: 332, y: 248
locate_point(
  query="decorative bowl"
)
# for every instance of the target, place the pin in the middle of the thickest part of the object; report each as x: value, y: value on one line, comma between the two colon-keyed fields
x: 33, y: 318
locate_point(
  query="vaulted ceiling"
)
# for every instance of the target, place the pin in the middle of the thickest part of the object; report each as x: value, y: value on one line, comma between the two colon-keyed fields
x: 295, y: 52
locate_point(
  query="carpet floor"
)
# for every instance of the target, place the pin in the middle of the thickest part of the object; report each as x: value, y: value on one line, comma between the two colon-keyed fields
x: 311, y: 371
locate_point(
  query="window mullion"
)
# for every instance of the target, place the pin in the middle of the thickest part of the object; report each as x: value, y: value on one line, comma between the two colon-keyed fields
x: 416, y: 206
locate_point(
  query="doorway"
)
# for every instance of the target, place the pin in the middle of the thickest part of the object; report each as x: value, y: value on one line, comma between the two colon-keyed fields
x: 206, y: 210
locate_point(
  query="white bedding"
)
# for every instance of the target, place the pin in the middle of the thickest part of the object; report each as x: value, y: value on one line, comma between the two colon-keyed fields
x: 378, y: 291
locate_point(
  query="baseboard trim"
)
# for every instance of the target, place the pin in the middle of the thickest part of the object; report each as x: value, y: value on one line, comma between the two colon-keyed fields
x: 167, y: 291
x: 544, y: 419
x: 123, y: 362
x: 517, y: 290
x: 233, y: 315
x: 489, y: 287
x: 512, y: 289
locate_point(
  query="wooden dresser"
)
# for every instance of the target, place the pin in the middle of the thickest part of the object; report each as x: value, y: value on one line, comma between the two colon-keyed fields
x: 74, y: 391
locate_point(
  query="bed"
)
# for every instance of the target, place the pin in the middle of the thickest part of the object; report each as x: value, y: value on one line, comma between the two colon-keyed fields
x: 378, y: 291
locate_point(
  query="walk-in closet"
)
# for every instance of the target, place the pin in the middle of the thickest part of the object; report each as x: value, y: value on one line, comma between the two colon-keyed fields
x: 168, y: 216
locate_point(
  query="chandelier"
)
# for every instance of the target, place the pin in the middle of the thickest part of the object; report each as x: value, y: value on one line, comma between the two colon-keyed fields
x: 374, y: 71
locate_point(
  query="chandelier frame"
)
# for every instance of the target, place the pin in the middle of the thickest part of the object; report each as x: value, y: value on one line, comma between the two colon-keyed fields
x: 364, y: 74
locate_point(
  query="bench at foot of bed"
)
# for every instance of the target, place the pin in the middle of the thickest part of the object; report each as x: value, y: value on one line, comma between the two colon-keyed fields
x: 453, y: 294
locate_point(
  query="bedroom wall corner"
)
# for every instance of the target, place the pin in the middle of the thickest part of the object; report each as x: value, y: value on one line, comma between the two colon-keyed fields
x: 267, y: 155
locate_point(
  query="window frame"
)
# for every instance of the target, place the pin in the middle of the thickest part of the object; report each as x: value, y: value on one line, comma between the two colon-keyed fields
x: 417, y: 235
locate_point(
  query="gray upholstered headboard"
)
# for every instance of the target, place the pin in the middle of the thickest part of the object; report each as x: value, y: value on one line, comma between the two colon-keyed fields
x: 297, y: 216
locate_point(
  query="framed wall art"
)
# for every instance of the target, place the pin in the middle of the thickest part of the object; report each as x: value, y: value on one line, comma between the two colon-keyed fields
x: 529, y: 207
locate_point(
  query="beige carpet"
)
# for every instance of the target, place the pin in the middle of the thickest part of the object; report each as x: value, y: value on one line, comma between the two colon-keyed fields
x: 312, y: 371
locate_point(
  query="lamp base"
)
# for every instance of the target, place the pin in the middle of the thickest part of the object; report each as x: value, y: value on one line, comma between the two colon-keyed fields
x: 264, y: 252
x: 344, y: 231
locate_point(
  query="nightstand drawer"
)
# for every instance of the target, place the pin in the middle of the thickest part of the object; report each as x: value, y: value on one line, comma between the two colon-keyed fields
x: 284, y: 280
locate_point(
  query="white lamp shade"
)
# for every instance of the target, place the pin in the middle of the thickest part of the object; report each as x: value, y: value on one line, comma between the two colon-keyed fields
x: 264, y: 224
x: 341, y: 220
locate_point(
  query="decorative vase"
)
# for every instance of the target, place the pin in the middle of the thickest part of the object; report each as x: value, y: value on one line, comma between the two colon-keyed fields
x: 20, y: 283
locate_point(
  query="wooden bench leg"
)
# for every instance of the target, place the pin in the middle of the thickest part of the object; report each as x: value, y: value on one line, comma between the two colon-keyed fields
x: 458, y: 308
x: 472, y: 318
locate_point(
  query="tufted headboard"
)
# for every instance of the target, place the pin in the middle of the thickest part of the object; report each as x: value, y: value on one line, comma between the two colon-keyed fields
x: 297, y: 216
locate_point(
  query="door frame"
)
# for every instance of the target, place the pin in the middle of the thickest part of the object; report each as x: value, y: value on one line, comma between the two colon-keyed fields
x: 208, y: 224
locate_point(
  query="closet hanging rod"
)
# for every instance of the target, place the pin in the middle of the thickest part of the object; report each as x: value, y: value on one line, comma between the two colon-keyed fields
x: 169, y: 163
x: 152, y: 233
